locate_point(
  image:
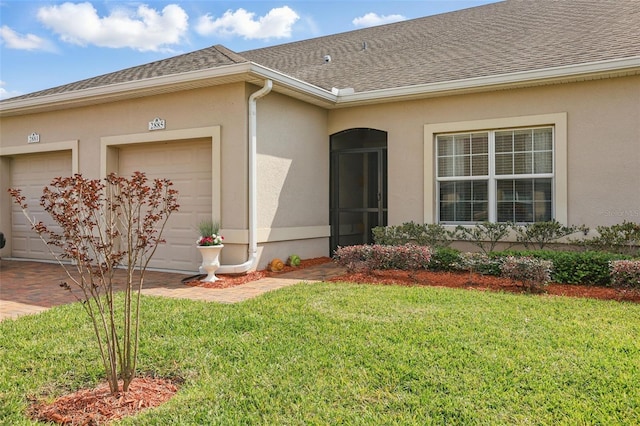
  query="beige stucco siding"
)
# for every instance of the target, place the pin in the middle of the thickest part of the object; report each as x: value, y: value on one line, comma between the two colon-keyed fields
x: 221, y: 105
x: 603, y: 142
x: 604, y: 153
x: 293, y: 177
x: 293, y: 163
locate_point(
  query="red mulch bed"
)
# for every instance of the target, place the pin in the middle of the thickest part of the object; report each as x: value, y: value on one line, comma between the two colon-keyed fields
x: 428, y: 278
x: 231, y: 280
x: 97, y: 406
x: 484, y: 283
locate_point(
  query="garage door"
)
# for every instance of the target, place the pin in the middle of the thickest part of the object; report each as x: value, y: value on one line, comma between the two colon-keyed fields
x: 31, y: 173
x: 188, y: 165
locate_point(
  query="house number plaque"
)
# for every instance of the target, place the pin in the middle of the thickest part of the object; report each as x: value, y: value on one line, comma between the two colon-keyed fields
x: 157, y: 124
x: 33, y: 138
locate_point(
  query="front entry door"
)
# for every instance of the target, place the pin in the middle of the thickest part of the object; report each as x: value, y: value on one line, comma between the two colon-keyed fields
x: 358, y: 186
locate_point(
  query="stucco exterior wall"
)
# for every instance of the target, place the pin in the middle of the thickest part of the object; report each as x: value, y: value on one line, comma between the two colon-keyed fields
x: 293, y: 178
x: 603, y: 142
x: 87, y: 128
x: 293, y: 158
x: 602, y: 121
x: 222, y: 105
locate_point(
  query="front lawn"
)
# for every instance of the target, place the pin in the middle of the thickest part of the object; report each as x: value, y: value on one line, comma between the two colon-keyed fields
x: 353, y: 354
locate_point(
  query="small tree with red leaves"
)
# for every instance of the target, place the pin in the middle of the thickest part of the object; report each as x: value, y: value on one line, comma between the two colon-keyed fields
x: 106, y: 224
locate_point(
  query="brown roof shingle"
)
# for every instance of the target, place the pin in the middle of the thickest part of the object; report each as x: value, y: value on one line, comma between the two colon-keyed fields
x: 499, y: 38
x: 210, y: 57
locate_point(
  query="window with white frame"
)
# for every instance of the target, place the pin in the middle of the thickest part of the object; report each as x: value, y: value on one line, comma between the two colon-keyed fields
x: 498, y: 175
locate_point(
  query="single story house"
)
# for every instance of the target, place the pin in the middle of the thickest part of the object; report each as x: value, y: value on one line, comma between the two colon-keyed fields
x: 513, y: 111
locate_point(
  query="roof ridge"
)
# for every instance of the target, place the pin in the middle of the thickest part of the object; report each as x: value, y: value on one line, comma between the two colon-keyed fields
x: 234, y: 56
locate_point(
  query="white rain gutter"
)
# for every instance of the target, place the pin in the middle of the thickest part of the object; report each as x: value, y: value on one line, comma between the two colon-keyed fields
x: 253, y: 183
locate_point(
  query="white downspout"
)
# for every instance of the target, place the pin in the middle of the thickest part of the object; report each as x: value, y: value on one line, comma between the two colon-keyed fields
x: 253, y: 183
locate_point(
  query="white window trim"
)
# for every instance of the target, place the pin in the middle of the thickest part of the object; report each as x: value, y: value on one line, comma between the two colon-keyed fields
x: 558, y: 121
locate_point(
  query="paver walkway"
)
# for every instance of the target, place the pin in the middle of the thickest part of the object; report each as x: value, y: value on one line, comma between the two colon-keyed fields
x: 28, y: 287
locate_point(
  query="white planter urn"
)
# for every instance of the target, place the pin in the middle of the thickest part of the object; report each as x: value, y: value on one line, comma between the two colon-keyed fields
x: 210, y: 261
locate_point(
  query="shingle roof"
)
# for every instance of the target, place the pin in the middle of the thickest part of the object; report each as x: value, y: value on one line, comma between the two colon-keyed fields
x: 498, y: 38
x: 210, y: 57
x: 493, y: 39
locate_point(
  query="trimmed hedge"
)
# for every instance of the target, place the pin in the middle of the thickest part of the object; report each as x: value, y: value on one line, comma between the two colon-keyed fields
x: 425, y: 234
x: 587, y: 267
x: 444, y: 259
x: 531, y: 272
x: 625, y: 273
x: 623, y: 238
x: 379, y: 257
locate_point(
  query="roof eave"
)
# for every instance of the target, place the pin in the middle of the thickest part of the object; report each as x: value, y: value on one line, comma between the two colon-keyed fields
x: 564, y: 74
x: 242, y: 72
x: 294, y: 87
x: 255, y: 73
x: 126, y: 90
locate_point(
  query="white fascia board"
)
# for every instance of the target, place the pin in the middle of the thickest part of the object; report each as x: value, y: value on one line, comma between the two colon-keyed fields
x: 496, y: 82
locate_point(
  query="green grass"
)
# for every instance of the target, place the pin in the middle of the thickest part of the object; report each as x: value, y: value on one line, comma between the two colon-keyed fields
x: 354, y: 354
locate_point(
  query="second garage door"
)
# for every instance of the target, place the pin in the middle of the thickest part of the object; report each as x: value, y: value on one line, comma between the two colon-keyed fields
x: 31, y: 173
x: 188, y: 165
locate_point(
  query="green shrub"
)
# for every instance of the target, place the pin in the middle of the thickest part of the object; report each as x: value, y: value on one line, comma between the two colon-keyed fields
x: 622, y: 238
x: 427, y: 234
x: 379, y: 257
x: 390, y: 235
x: 531, y: 272
x: 484, y: 235
x: 588, y: 267
x: 480, y: 263
x: 625, y: 273
x: 444, y: 259
x: 539, y: 234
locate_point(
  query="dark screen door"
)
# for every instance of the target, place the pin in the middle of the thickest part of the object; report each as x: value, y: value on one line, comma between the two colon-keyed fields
x: 358, y: 186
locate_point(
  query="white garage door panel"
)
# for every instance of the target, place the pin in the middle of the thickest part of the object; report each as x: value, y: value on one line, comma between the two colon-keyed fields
x: 31, y: 173
x: 188, y: 165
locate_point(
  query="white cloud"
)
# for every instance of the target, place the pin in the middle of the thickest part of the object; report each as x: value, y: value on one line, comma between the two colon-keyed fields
x: 5, y: 94
x: 14, y: 40
x: 312, y: 26
x: 276, y: 23
x: 143, y: 29
x: 372, y: 19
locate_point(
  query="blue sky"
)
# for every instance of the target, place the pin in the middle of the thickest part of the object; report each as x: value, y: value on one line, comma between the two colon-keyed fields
x: 45, y: 44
